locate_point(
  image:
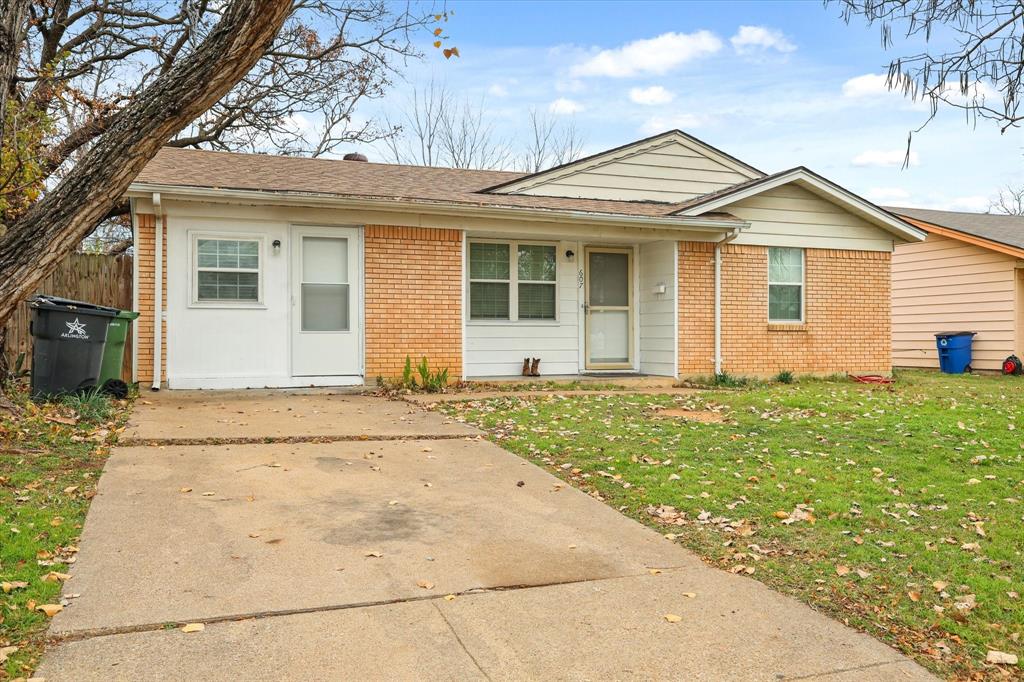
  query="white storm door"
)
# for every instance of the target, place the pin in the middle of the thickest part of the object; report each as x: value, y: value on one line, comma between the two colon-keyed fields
x: 609, y: 308
x: 325, y: 302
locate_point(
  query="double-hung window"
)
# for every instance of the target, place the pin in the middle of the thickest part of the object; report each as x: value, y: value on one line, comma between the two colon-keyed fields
x: 226, y: 270
x: 512, y: 281
x: 785, y: 285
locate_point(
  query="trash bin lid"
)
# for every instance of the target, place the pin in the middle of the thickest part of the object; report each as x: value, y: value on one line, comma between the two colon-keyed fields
x: 946, y: 335
x: 58, y: 303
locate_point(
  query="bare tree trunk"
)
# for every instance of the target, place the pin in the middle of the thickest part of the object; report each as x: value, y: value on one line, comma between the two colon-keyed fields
x: 53, y: 228
x: 13, y: 21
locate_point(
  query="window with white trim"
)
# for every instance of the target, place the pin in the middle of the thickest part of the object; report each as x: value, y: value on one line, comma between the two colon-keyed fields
x: 512, y: 281
x: 226, y: 270
x: 785, y: 284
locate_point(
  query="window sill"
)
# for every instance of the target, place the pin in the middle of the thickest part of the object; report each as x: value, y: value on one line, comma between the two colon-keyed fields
x: 228, y: 305
x: 787, y: 326
x: 501, y: 323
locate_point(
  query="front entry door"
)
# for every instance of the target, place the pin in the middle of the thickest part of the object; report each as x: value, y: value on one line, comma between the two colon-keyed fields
x: 325, y: 294
x: 609, y: 308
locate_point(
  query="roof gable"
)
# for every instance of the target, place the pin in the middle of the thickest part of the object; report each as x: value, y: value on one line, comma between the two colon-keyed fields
x: 814, y: 184
x: 991, y: 227
x: 670, y: 167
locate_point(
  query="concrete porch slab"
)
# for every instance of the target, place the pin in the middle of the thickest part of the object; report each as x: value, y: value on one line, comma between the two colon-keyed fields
x: 276, y: 527
x: 256, y: 414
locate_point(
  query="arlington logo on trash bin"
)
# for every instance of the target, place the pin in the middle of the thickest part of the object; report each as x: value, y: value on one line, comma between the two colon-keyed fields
x: 76, y: 330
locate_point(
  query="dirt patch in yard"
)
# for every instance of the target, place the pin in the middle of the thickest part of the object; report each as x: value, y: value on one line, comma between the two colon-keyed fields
x: 703, y: 416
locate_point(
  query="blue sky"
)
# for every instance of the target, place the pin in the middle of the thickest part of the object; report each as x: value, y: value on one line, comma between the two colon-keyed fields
x: 797, y: 86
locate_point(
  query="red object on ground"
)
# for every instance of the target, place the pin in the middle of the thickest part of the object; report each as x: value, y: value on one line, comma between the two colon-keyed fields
x: 871, y: 379
x: 1012, y: 365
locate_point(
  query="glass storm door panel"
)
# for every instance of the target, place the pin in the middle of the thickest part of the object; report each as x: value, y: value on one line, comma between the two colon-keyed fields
x: 609, y: 308
x: 325, y: 334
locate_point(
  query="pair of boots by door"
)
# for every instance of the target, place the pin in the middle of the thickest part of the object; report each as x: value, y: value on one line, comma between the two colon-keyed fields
x: 531, y: 368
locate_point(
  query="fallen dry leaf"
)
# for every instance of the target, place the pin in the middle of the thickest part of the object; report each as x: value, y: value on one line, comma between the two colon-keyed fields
x: 673, y: 618
x: 185, y: 490
x: 914, y: 596
x: 50, y: 610
x: 654, y: 571
x: 689, y: 595
x: 54, y: 576
x: 376, y: 555
x: 10, y: 586
x: 940, y: 585
x: 193, y: 627
x: 842, y: 570
x: 425, y: 584
x: 449, y: 597
x: 7, y: 651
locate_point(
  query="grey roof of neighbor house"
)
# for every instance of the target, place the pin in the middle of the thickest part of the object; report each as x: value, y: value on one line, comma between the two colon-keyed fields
x: 1005, y: 229
x: 364, y: 180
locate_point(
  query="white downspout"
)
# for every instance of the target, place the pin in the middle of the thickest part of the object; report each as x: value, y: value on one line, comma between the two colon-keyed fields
x: 718, y: 297
x: 158, y: 292
x: 135, y: 289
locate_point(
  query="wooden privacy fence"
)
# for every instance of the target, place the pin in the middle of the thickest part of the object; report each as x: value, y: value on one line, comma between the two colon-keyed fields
x: 94, y: 278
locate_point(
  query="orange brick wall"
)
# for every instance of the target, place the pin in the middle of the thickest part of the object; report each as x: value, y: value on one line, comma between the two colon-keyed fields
x: 145, y: 259
x: 846, y: 322
x: 413, y: 299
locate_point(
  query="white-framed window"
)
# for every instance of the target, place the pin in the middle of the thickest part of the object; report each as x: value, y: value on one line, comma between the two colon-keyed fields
x: 513, y: 281
x: 227, y: 269
x: 785, y: 284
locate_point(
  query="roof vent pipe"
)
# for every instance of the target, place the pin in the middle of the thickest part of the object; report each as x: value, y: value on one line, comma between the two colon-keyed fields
x: 355, y: 156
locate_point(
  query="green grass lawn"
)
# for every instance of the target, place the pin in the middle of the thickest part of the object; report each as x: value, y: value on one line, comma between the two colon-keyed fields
x: 899, y: 512
x: 50, y: 460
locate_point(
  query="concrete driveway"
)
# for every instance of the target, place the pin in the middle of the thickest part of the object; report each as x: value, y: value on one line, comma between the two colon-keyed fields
x: 369, y: 539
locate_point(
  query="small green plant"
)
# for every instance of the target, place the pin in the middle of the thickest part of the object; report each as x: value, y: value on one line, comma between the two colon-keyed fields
x: 726, y: 380
x: 784, y: 377
x: 408, y: 381
x: 431, y: 382
x: 91, y: 406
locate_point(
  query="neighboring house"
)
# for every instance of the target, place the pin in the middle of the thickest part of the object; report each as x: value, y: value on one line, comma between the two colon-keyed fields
x: 966, y: 276
x: 664, y: 257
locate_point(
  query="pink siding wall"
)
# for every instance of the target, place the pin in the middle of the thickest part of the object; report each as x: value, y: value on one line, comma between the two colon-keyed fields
x: 941, y: 285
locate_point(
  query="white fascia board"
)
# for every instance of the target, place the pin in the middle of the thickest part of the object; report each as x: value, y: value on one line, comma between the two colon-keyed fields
x: 821, y: 187
x: 679, y: 222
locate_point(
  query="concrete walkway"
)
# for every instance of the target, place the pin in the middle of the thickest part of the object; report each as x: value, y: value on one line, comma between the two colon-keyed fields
x: 434, y: 556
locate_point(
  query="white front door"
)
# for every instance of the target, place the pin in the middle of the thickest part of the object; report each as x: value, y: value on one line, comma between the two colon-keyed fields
x: 325, y: 301
x: 609, y: 308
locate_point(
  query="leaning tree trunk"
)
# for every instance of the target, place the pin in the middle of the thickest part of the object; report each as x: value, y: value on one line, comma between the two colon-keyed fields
x: 53, y: 228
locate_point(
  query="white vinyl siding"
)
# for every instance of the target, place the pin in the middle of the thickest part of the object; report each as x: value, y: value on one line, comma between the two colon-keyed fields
x: 793, y: 216
x: 672, y: 172
x: 945, y: 285
x: 657, y: 264
x: 497, y: 347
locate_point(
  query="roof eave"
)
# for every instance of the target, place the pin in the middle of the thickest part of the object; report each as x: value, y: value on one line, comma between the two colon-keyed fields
x: 692, y: 223
x: 966, y: 237
x: 881, y: 217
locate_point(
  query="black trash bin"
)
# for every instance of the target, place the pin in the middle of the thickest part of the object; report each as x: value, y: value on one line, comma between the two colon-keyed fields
x: 67, y: 351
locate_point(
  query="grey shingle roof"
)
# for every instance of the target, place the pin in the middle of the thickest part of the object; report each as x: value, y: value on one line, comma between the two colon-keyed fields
x: 358, y: 179
x: 1005, y: 229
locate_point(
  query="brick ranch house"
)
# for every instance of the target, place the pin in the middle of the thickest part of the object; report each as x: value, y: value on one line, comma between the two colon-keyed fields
x: 664, y: 257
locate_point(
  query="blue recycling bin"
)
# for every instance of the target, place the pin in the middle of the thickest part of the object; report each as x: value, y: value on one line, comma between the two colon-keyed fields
x: 954, y: 351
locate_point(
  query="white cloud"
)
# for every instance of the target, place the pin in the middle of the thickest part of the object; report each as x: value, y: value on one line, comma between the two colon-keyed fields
x: 657, y: 55
x: 868, y: 85
x: 659, y: 124
x: 883, y: 158
x: 752, y: 39
x: 652, y: 95
x: 497, y: 90
x: 563, y: 105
